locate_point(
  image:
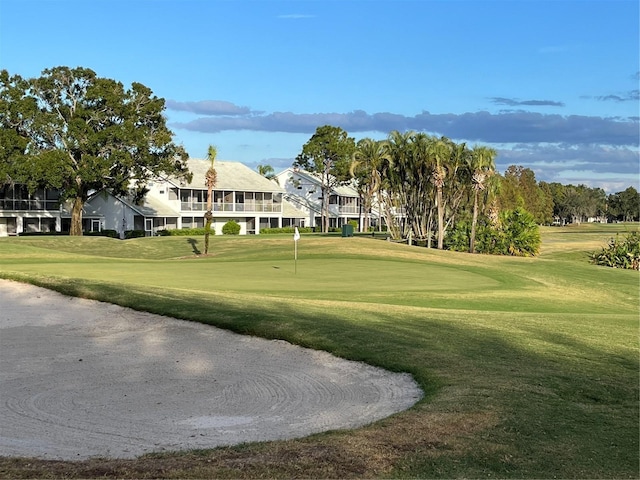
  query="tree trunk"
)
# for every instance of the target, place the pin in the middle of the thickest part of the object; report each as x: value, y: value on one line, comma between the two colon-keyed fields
x: 76, y: 217
x: 208, y: 217
x: 474, y: 221
x: 440, y: 218
x: 325, y: 209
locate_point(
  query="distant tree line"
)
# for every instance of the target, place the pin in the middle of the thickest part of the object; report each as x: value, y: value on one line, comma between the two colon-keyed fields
x: 446, y: 194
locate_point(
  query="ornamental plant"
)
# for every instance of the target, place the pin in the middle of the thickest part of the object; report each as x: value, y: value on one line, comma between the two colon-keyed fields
x: 620, y: 252
x: 231, y: 228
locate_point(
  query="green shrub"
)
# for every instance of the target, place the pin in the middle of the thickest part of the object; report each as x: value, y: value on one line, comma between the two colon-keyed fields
x: 231, y: 228
x: 354, y: 224
x: 285, y: 230
x: 458, y: 238
x: 520, y: 235
x: 620, y: 253
x: 183, y: 232
x: 134, y: 234
x: 40, y: 234
x: 517, y: 234
x: 102, y: 233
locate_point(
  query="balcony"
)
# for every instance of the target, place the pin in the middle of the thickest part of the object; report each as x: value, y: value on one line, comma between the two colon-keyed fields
x: 29, y: 205
x: 349, y: 209
x: 247, y: 207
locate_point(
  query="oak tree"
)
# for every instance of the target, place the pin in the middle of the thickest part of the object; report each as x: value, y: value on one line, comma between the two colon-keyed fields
x: 74, y: 131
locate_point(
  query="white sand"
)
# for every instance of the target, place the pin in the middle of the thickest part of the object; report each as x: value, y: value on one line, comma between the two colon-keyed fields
x: 81, y: 379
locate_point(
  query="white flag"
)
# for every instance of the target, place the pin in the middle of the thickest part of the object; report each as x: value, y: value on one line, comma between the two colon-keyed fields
x: 296, y: 235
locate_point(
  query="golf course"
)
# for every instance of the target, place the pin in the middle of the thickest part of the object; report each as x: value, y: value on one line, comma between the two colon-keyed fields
x: 530, y: 366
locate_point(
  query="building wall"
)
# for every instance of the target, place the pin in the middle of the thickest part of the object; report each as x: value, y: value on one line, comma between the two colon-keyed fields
x: 114, y: 214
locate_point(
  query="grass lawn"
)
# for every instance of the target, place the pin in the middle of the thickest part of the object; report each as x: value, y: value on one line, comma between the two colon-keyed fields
x: 530, y: 365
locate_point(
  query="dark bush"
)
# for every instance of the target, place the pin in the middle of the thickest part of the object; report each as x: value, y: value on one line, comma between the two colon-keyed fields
x: 285, y: 230
x: 134, y: 234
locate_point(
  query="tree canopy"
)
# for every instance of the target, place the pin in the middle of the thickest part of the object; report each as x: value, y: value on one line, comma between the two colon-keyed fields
x: 328, y: 154
x: 74, y: 131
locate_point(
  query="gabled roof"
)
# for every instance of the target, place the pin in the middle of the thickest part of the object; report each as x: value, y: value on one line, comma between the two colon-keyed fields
x: 152, y: 207
x: 345, y: 190
x: 230, y: 176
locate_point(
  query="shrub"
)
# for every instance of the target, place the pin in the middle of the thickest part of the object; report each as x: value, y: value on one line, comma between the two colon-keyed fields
x: 231, y: 228
x: 285, y: 230
x: 520, y: 235
x: 620, y: 253
x: 184, y: 232
x: 102, y: 233
x: 458, y: 238
x: 40, y: 234
x: 134, y: 234
x: 517, y: 234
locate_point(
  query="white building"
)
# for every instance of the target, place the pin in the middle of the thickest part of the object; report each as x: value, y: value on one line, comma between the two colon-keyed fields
x: 303, y: 190
x: 240, y: 194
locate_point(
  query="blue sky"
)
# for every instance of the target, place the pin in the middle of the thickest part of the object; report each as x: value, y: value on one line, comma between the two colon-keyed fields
x: 552, y: 85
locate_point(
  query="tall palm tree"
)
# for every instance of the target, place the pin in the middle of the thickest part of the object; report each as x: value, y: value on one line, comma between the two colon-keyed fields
x: 210, y: 179
x: 440, y: 152
x: 482, y: 166
x: 366, y: 167
x: 406, y: 179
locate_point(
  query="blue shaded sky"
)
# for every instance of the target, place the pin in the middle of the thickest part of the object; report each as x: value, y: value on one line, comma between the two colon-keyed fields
x: 552, y: 85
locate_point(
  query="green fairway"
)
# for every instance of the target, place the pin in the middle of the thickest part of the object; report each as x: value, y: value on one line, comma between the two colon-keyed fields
x: 530, y: 365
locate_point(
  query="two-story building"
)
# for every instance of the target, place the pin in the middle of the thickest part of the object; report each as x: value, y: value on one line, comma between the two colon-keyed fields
x: 240, y: 194
x: 303, y: 189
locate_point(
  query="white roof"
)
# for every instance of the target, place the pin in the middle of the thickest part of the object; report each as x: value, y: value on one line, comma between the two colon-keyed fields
x: 345, y: 190
x: 230, y: 176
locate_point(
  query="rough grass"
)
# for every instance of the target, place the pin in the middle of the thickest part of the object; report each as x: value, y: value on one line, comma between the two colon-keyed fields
x: 530, y: 365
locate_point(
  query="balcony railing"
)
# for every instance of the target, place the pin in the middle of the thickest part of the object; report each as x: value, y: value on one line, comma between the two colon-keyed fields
x: 251, y: 207
x: 31, y: 205
x: 349, y: 209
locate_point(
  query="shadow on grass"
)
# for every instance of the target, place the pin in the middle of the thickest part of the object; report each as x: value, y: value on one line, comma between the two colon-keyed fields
x: 570, y: 411
x: 193, y: 242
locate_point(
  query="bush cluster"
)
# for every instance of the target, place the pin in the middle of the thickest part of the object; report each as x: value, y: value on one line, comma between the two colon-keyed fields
x: 128, y: 234
x: 516, y: 234
x: 183, y: 232
x: 285, y: 230
x: 620, y: 253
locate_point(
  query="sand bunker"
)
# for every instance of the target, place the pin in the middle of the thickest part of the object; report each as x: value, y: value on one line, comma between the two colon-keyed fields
x: 81, y: 379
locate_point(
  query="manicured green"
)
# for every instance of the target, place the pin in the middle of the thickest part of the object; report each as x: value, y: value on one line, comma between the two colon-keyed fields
x: 530, y: 365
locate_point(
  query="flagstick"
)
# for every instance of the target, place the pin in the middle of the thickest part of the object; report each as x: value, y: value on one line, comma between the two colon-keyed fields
x: 296, y: 237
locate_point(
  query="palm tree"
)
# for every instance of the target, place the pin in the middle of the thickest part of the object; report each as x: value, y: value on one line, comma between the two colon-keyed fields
x: 267, y: 171
x: 210, y: 180
x: 482, y: 166
x: 406, y: 179
x: 366, y: 167
x: 440, y: 152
